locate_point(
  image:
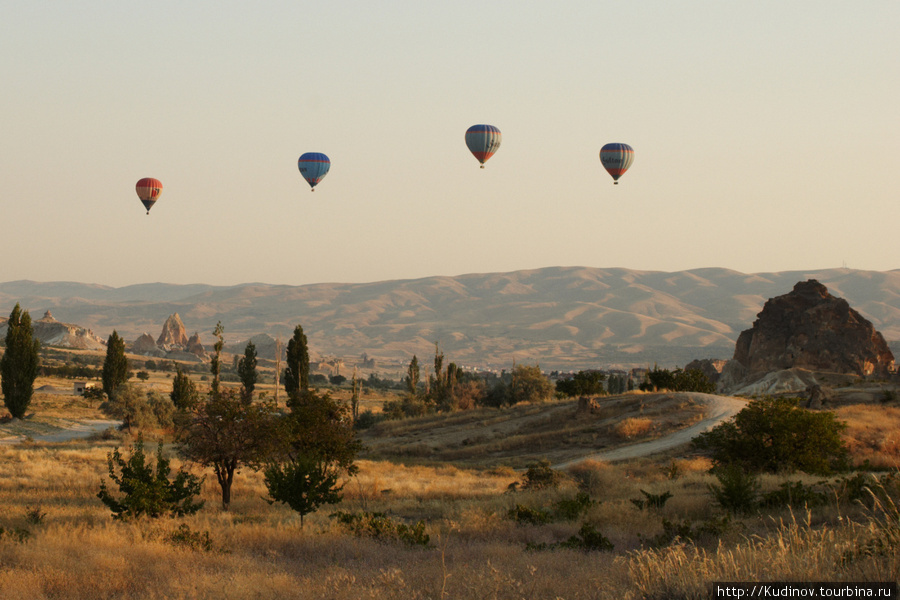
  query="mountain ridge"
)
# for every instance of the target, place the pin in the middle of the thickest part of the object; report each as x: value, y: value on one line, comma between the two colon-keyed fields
x: 561, y: 317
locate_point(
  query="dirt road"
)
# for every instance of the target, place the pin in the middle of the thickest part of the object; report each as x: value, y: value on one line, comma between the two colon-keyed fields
x: 721, y: 408
x: 76, y: 431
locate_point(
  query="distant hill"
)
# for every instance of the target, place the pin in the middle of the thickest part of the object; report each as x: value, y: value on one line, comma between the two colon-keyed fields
x: 561, y: 317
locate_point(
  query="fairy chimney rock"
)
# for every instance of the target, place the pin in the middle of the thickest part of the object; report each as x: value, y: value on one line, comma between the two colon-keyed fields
x: 173, y: 334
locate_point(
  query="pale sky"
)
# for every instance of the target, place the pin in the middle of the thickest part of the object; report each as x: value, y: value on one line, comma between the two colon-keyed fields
x: 766, y: 137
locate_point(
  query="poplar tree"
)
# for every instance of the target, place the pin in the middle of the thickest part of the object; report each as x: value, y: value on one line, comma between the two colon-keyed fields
x: 296, y: 373
x: 246, y: 369
x: 19, y: 364
x: 115, y: 366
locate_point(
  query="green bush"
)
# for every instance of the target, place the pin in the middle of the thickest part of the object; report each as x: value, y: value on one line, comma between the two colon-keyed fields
x: 184, y: 537
x: 148, y: 492
x: 793, y: 494
x: 524, y: 515
x: 588, y: 539
x: 540, y: 476
x: 774, y: 435
x: 570, y: 509
x: 652, y: 501
x: 738, y: 489
x: 381, y: 527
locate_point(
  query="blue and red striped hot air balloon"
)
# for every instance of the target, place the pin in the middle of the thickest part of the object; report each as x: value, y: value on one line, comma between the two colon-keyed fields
x: 313, y: 166
x: 616, y: 158
x: 148, y: 190
x: 483, y: 141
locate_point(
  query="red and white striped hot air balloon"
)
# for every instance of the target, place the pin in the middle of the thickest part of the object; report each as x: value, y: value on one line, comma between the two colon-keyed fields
x: 148, y: 190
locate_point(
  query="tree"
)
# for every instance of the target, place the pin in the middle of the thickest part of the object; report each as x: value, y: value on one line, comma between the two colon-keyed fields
x: 320, y: 443
x: 146, y: 492
x: 355, y: 391
x: 215, y: 363
x: 529, y: 385
x: 115, y: 366
x: 412, y: 377
x: 583, y: 383
x: 775, y: 434
x: 226, y: 433
x: 184, y: 393
x: 19, y: 365
x: 296, y: 371
x: 246, y: 369
x: 304, y: 484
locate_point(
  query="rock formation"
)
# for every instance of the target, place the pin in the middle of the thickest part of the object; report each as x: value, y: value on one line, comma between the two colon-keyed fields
x: 195, y: 347
x: 146, y: 346
x: 811, y: 329
x: 173, y: 334
x: 51, y: 332
x: 711, y: 367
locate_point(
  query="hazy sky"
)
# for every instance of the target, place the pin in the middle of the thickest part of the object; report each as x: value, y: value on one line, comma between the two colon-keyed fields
x: 766, y: 137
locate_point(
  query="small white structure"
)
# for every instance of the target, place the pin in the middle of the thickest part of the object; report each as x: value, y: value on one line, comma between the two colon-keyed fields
x: 80, y: 386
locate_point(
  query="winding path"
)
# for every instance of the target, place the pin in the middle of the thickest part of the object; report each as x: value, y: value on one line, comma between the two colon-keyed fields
x: 721, y: 408
x: 80, y: 430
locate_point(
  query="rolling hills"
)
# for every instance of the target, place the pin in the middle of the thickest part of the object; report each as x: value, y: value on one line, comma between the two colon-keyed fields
x: 561, y: 317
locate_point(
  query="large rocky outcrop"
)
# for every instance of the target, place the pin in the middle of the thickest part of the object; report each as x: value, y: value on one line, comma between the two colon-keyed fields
x: 173, y: 334
x: 51, y: 332
x: 813, y: 330
x: 194, y: 346
x: 145, y: 345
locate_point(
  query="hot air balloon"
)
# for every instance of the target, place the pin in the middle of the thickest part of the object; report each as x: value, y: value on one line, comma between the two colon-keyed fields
x: 616, y: 159
x: 483, y: 141
x: 313, y: 166
x: 148, y: 190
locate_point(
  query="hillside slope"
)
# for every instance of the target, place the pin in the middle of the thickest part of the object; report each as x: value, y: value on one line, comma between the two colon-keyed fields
x: 563, y: 317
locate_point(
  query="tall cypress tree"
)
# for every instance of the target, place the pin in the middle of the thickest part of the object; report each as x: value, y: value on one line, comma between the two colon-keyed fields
x: 215, y: 363
x: 115, y: 366
x: 19, y: 364
x: 184, y: 393
x: 296, y: 373
x: 247, y: 372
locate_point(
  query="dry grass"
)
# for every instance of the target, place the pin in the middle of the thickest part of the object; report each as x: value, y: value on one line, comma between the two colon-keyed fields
x: 476, y: 550
x: 873, y: 433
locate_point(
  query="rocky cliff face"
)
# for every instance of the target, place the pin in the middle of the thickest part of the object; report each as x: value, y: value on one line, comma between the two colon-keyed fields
x: 811, y: 329
x: 173, y: 336
x: 51, y: 332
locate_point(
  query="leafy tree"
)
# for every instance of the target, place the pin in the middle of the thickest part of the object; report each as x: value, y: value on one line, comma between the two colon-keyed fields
x: 148, y: 492
x: 296, y: 372
x: 226, y: 433
x: 775, y: 434
x: 692, y: 380
x: 19, y: 365
x: 143, y: 375
x: 320, y: 444
x: 337, y: 379
x: 529, y: 385
x: 304, y: 484
x: 247, y: 371
x: 115, y: 367
x: 583, y: 383
x: 184, y: 393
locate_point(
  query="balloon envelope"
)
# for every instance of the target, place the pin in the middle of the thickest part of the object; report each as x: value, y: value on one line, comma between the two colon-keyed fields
x: 313, y: 166
x: 483, y: 141
x: 148, y: 190
x: 616, y: 158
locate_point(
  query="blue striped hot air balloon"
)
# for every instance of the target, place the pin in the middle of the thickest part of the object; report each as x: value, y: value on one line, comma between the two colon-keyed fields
x: 483, y: 141
x: 313, y: 166
x: 616, y: 158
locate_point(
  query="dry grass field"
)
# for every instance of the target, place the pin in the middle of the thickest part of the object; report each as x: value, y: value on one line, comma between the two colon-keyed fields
x: 59, y: 541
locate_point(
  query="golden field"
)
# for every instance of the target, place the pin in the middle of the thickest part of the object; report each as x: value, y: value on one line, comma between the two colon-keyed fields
x: 73, y: 549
